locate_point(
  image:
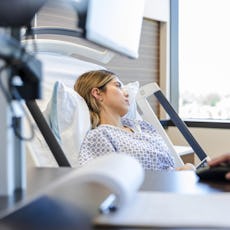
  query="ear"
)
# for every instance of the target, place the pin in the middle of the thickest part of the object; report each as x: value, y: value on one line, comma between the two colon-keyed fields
x: 96, y: 93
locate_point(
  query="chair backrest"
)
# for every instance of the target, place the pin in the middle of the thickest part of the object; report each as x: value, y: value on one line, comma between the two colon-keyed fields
x: 149, y: 115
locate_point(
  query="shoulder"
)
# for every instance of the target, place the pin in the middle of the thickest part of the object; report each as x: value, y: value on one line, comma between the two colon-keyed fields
x: 145, y: 124
x: 134, y: 123
x: 128, y: 122
x: 95, y: 131
x: 139, y: 125
x: 98, y: 133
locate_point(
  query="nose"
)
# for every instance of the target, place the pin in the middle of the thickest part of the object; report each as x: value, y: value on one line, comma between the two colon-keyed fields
x: 125, y: 91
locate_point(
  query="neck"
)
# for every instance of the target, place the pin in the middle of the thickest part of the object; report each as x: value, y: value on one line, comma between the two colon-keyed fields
x: 110, y: 119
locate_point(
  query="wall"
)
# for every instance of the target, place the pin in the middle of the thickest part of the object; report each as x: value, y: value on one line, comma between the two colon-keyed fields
x: 157, y: 10
x: 213, y: 141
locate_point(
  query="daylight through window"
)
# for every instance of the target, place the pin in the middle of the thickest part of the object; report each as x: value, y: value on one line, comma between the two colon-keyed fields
x: 204, y: 63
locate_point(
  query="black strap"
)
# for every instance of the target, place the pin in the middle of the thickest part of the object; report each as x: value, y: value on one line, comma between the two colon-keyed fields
x: 180, y: 125
x: 47, y: 133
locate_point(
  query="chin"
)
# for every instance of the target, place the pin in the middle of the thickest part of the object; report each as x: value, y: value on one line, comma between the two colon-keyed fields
x: 123, y: 114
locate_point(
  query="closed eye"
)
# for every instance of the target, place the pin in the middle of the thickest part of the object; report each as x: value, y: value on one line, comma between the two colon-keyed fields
x: 119, y: 84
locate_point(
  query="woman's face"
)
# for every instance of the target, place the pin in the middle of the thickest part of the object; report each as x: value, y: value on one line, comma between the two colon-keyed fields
x: 115, y: 97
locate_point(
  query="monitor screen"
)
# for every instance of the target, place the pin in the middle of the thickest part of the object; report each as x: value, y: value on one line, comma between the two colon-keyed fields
x: 115, y: 24
x: 14, y: 13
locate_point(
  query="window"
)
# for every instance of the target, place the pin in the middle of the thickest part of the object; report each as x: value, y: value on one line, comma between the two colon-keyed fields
x: 203, y: 59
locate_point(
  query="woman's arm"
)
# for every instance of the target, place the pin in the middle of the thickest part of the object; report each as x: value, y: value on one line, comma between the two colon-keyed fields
x: 187, y: 166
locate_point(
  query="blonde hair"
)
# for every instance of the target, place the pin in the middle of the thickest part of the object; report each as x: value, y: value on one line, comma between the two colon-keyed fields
x: 84, y: 85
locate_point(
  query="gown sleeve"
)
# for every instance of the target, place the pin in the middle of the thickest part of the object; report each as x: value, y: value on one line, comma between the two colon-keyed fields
x: 95, y: 144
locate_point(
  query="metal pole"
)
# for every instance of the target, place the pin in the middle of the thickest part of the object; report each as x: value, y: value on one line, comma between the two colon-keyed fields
x: 6, y: 139
x: 12, y: 153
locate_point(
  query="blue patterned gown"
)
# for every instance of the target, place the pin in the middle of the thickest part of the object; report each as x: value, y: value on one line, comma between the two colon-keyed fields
x: 145, y: 144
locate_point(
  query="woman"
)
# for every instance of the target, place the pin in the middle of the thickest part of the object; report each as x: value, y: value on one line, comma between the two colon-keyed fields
x: 108, y: 102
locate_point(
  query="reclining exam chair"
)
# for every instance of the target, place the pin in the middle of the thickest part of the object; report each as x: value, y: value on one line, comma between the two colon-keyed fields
x: 40, y: 150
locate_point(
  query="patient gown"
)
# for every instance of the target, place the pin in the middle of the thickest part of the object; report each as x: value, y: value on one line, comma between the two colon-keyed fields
x: 144, y: 143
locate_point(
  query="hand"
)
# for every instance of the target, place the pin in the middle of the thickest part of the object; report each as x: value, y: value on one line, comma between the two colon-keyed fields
x: 186, y: 166
x: 222, y: 159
